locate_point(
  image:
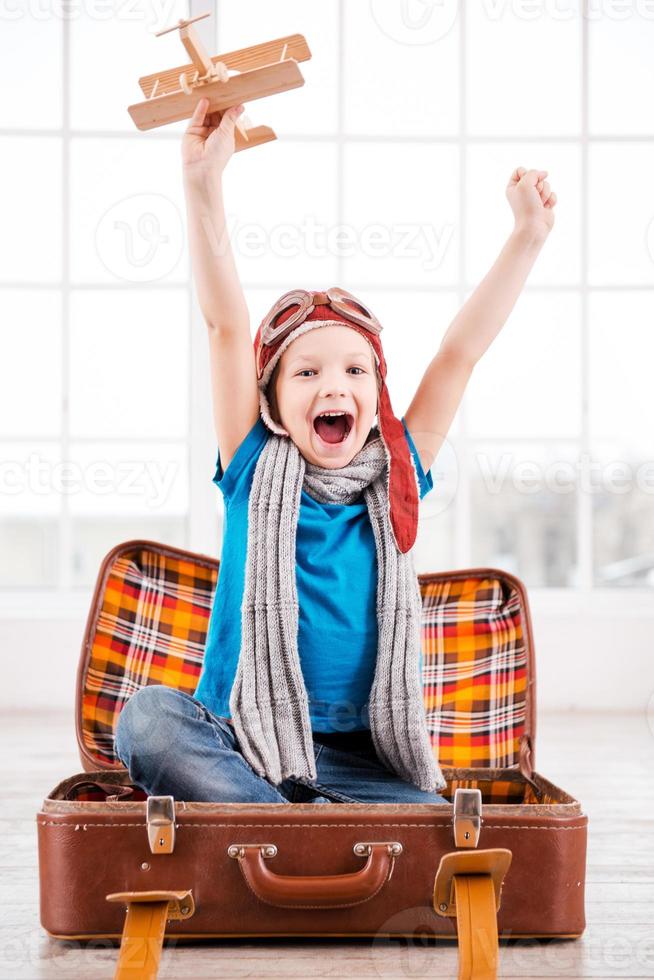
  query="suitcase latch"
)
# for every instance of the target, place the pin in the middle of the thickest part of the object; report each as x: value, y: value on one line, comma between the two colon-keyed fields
x: 467, y: 817
x: 161, y: 824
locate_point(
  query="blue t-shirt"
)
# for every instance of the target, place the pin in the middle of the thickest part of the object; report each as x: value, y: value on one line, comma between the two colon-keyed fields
x: 336, y: 578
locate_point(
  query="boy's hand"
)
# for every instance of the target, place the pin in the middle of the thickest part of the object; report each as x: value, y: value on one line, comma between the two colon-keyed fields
x: 208, y: 142
x: 531, y: 200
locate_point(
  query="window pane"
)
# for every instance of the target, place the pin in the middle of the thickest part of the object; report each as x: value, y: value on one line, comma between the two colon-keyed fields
x: 259, y: 301
x: 621, y: 223
x: 434, y: 547
x: 115, y: 41
x: 623, y: 517
x: 409, y: 234
x: 30, y: 368
x: 126, y: 211
x: 31, y: 475
x: 30, y: 176
x: 621, y: 357
x: 309, y: 109
x: 621, y: 413
x: 620, y: 44
x: 28, y: 552
x: 30, y: 51
x: 527, y: 384
x: 135, y: 479
x: 523, y: 501
x: 129, y: 363
x: 284, y: 235
x: 393, y: 69
x: 523, y: 68
x: 29, y: 511
x: 94, y: 538
x: 489, y: 218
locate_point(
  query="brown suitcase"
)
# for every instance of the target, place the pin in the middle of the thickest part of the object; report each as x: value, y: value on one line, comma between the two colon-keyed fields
x: 506, y: 857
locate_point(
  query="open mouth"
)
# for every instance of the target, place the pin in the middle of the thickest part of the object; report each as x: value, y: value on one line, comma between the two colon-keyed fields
x: 333, y: 427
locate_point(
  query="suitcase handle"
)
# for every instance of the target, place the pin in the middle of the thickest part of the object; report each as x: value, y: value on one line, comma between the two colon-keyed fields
x: 316, y: 891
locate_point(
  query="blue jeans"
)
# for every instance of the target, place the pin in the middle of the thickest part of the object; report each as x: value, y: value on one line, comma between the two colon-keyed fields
x: 173, y: 745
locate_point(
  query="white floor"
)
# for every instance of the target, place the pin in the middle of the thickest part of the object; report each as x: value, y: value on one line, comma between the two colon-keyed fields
x: 606, y: 761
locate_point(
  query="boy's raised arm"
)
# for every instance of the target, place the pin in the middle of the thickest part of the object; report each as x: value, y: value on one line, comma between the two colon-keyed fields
x: 485, y: 312
x: 207, y: 146
x: 482, y: 316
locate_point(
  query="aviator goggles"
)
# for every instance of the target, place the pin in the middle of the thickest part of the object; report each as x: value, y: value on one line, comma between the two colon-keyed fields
x: 306, y: 301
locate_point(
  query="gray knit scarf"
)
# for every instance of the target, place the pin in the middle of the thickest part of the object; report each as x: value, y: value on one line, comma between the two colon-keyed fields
x: 268, y: 701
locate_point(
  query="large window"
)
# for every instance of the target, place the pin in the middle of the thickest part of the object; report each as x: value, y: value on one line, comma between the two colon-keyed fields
x: 94, y: 297
x: 388, y: 178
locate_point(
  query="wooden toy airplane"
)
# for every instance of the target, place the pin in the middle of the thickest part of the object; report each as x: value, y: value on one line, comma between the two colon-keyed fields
x: 261, y: 70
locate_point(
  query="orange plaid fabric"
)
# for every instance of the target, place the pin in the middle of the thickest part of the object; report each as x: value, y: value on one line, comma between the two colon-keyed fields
x: 149, y: 624
x: 475, y: 667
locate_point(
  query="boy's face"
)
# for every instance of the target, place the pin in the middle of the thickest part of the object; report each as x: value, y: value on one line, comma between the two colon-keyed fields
x: 327, y: 369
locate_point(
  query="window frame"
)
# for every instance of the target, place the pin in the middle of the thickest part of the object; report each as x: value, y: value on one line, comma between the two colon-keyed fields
x: 203, y: 517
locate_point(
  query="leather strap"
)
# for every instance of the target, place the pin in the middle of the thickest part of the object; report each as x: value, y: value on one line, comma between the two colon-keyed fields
x: 468, y: 885
x: 140, y: 947
x: 476, y: 923
x: 144, y: 928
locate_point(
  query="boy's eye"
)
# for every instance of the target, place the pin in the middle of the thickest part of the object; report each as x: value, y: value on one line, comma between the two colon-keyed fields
x: 349, y: 369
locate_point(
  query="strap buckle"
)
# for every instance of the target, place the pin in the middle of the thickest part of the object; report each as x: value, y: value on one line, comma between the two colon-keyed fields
x: 494, y: 861
x: 177, y: 904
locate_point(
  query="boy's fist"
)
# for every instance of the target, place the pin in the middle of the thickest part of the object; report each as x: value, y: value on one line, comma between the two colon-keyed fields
x: 531, y: 199
x: 208, y: 142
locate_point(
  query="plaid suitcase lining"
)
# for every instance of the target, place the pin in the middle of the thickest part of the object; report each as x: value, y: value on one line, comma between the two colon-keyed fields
x: 151, y: 626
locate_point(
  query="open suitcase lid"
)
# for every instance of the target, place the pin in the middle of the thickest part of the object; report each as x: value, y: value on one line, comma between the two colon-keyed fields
x: 149, y: 619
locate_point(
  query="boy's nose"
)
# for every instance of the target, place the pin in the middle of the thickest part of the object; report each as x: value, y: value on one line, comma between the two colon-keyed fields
x: 334, y: 387
x: 335, y: 379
